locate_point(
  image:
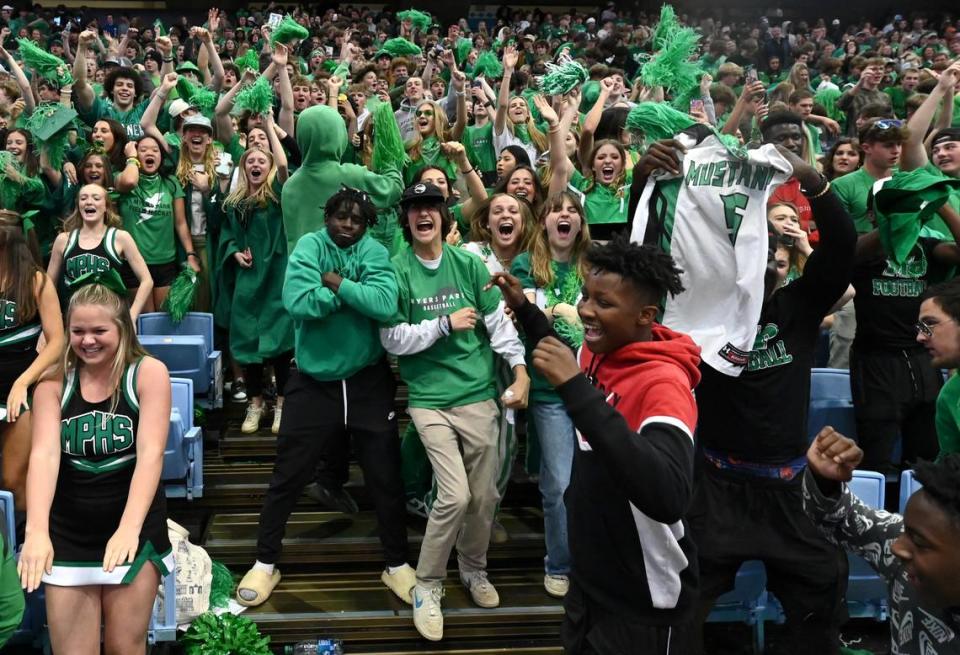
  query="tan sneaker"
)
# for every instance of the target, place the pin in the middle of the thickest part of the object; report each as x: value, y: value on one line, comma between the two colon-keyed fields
x: 251, y: 422
x: 427, y: 614
x: 556, y: 585
x: 481, y: 591
x: 401, y: 582
x: 277, y: 412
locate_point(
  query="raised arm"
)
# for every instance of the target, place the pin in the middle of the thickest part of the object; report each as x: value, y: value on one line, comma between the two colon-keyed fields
x: 148, y: 122
x: 279, y: 155
x: 750, y: 91
x: 26, y: 91
x: 914, y: 155
x: 213, y: 57
x: 503, y: 98
x: 82, y: 91
x: 458, y: 82
x: 561, y: 167
x: 224, y: 106
x: 165, y: 46
x: 280, y: 58
x: 457, y: 153
x: 592, y: 120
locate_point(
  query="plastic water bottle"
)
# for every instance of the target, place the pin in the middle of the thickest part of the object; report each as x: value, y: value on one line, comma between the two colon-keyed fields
x: 316, y: 647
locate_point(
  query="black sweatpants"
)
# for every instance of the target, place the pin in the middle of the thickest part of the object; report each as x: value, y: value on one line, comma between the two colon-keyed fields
x: 253, y: 373
x: 315, y: 413
x: 587, y: 630
x: 894, y: 395
x: 735, y: 518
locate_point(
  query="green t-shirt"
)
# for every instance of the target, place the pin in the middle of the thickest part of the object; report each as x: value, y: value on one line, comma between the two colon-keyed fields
x: 542, y: 391
x: 11, y: 595
x: 853, y: 190
x: 456, y: 370
x: 602, y: 204
x: 103, y: 108
x: 147, y: 213
x: 478, y: 142
x: 898, y: 98
x: 948, y: 417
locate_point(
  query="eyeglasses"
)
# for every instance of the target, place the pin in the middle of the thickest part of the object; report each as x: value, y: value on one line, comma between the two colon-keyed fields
x: 926, y: 329
x: 424, y: 112
x: 888, y: 124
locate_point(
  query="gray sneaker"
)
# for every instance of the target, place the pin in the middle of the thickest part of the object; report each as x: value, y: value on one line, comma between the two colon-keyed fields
x: 481, y: 591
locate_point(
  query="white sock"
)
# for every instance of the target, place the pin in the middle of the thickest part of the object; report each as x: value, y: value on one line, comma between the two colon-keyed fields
x: 266, y: 568
x: 393, y: 569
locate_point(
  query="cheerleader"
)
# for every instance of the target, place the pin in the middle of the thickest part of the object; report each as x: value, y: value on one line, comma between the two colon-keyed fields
x: 29, y: 308
x: 96, y: 516
x: 91, y: 241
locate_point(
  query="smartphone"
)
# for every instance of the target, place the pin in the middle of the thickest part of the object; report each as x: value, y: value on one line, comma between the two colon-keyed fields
x: 696, y: 105
x: 751, y: 74
x: 274, y: 20
x: 477, y: 84
x: 224, y: 164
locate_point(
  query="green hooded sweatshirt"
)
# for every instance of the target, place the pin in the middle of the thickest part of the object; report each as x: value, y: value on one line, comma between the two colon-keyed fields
x: 338, y: 334
x: 322, y: 138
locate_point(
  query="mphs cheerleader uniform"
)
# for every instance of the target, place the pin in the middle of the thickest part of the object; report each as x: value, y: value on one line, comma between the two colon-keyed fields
x: 18, y: 348
x: 98, y: 454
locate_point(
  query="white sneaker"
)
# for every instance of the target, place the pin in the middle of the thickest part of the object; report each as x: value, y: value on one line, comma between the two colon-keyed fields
x: 427, y: 615
x: 251, y: 422
x: 556, y: 585
x: 481, y: 591
x: 277, y: 411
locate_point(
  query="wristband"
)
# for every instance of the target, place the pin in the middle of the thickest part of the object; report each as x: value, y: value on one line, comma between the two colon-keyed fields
x: 446, y: 326
x: 192, y: 254
x: 465, y: 173
x: 823, y: 191
x: 134, y: 161
x: 167, y: 60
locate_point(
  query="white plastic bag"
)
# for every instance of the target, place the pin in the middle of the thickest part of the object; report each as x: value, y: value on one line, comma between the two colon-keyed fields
x: 194, y: 574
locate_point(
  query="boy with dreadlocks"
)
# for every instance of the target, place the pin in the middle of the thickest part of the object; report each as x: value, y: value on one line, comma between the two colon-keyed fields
x: 629, y: 393
x: 339, y: 287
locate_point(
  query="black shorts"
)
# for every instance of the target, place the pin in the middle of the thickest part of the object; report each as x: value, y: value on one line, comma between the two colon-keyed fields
x: 163, y: 274
x: 894, y: 394
x: 735, y: 518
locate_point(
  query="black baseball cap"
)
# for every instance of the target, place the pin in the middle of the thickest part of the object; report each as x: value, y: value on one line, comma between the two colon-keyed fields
x: 421, y: 193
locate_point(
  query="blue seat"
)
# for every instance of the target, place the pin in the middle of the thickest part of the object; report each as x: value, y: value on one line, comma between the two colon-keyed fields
x: 163, y: 621
x: 183, y: 455
x: 746, y: 603
x: 831, y: 402
x: 866, y: 590
x: 188, y: 351
x: 908, y: 487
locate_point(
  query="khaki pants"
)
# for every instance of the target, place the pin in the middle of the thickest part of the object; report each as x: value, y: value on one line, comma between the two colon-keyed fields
x: 461, y: 443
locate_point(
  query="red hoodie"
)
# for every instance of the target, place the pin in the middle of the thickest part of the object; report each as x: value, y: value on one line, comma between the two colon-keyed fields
x: 649, y: 379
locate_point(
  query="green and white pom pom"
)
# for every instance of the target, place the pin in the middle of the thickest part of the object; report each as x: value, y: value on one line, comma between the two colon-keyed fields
x: 256, y: 98
x: 400, y: 47
x: 464, y: 46
x: 288, y: 31
x: 50, y: 125
x: 158, y: 28
x: 421, y: 20
x: 670, y: 66
x: 180, y: 299
x: 488, y: 66
x: 388, y: 151
x: 563, y: 77
x: 656, y: 120
x: 668, y: 24
x: 226, y: 634
x: 48, y: 66
x: 221, y: 585
x: 200, y: 97
x: 250, y: 60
